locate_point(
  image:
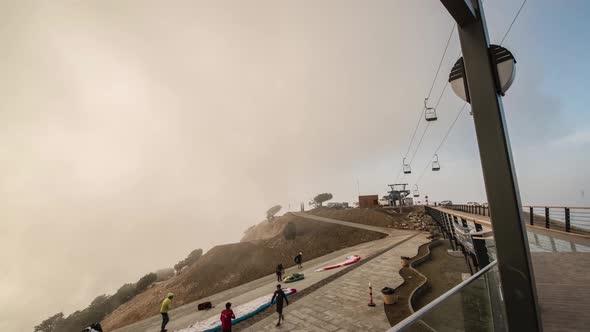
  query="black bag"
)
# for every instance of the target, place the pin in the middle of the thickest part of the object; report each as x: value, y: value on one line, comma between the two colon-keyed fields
x: 204, y: 306
x: 93, y: 327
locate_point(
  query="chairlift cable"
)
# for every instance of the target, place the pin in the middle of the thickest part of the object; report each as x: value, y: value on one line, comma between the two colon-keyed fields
x: 429, y: 93
x: 441, y: 59
x: 465, y: 104
x: 514, y: 20
x: 442, y: 142
x: 428, y: 124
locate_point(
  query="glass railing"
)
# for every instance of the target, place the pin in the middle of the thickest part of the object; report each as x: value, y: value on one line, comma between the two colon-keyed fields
x: 474, y: 305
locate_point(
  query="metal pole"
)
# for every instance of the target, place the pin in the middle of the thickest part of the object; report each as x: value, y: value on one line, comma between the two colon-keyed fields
x: 481, y: 251
x: 567, y: 220
x: 531, y: 216
x: 514, y: 261
x: 478, y: 227
x: 547, y: 225
x: 464, y: 222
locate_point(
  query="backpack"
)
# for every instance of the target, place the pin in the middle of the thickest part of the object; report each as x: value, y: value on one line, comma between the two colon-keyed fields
x: 204, y: 306
x: 96, y: 327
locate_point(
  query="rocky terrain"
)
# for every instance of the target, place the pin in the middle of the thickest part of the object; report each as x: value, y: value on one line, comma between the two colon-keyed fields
x: 412, y: 217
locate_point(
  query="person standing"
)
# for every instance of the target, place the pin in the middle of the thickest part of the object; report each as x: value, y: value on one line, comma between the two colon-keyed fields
x: 164, y: 311
x: 279, y: 295
x: 299, y: 260
x: 226, y: 316
x: 279, y: 272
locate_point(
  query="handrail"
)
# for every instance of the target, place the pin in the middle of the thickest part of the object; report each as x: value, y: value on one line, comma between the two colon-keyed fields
x: 460, y: 214
x: 415, y: 316
x: 544, y: 206
x: 557, y: 207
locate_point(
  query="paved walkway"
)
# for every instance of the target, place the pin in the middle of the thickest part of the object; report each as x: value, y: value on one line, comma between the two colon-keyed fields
x: 540, y: 240
x: 561, y: 263
x: 342, y: 304
x: 187, y: 314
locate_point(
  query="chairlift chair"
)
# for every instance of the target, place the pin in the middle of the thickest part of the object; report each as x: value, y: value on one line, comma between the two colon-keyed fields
x: 416, y: 192
x: 407, y: 168
x: 430, y: 112
x: 435, y: 163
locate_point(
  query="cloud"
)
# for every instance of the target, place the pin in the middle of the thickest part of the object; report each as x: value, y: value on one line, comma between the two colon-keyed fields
x: 578, y: 137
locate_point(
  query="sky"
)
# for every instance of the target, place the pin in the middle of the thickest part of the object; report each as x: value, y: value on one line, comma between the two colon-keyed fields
x: 132, y: 132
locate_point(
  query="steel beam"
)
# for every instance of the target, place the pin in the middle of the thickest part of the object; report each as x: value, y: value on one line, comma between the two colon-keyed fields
x: 462, y: 11
x: 514, y: 261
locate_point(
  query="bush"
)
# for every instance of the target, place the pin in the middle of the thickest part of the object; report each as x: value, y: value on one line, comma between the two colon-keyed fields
x: 165, y: 274
x: 123, y: 294
x: 270, y: 214
x: 144, y: 282
x: 101, y: 306
x: 191, y: 259
x: 50, y: 324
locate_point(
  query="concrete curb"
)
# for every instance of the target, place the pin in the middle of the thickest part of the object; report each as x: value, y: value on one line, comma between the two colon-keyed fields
x: 424, y: 284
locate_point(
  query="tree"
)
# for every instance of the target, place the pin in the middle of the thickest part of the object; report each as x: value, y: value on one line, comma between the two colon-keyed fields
x: 126, y: 293
x: 320, y: 199
x: 99, y: 300
x: 144, y: 282
x: 270, y: 214
x: 49, y: 324
x: 101, y: 306
x: 290, y: 231
x: 194, y: 256
x: 165, y: 274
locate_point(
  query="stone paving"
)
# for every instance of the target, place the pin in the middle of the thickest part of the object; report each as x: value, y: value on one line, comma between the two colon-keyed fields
x: 342, y: 304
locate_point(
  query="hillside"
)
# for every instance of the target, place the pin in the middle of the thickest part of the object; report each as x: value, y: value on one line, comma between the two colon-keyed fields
x: 267, y: 230
x: 230, y: 265
x: 373, y: 217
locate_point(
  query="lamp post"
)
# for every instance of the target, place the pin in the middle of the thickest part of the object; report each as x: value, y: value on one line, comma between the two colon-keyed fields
x: 484, y: 83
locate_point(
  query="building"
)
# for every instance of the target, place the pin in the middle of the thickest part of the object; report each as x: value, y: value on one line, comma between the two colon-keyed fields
x: 369, y: 201
x: 408, y: 201
x: 384, y: 201
x: 338, y: 205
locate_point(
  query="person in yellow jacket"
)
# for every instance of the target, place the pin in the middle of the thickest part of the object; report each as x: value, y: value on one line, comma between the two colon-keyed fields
x: 164, y: 311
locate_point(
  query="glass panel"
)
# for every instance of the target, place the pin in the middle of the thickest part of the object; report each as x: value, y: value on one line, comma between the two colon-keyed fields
x: 478, y: 306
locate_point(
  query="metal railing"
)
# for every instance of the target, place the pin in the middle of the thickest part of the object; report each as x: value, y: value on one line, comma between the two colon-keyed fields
x: 473, y: 209
x: 563, y: 218
x: 569, y: 219
x: 422, y: 319
x: 465, y: 234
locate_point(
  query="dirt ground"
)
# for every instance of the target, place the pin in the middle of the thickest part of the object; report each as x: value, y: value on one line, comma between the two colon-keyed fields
x: 372, y: 217
x: 230, y: 265
x: 443, y: 273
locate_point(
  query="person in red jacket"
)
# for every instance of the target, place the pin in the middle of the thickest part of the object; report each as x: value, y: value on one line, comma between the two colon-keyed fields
x: 226, y: 316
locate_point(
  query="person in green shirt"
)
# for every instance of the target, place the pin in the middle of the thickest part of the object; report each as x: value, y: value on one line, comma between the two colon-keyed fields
x: 164, y: 311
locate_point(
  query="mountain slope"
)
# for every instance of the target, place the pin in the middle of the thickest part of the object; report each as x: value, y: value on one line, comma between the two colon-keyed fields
x: 230, y: 265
